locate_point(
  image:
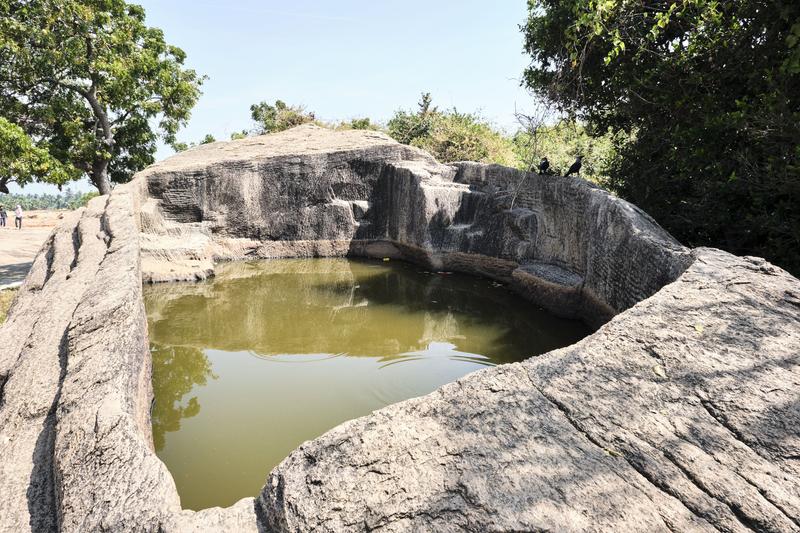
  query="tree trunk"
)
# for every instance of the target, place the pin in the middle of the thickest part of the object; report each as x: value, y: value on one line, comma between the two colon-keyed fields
x: 99, y: 173
x: 99, y: 177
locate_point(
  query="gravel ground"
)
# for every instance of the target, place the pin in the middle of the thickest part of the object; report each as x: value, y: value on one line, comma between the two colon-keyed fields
x: 19, y: 247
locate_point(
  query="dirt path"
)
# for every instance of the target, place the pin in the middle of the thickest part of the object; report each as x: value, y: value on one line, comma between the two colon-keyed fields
x: 19, y: 247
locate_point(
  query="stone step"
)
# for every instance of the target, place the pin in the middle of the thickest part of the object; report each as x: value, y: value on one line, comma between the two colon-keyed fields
x: 552, y: 274
x: 550, y: 286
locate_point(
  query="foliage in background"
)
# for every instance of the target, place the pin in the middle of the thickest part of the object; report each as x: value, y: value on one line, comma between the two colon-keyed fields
x: 406, y: 127
x: 278, y: 117
x: 706, y: 98
x: 448, y: 135
x: 21, y: 161
x: 91, y: 83
x: 182, y: 146
x: 454, y: 136
x: 281, y: 117
x: 66, y: 200
x: 561, y: 143
x: 451, y: 135
x: 358, y: 124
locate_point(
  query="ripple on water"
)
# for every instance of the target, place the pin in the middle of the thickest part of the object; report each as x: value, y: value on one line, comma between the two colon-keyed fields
x: 269, y: 354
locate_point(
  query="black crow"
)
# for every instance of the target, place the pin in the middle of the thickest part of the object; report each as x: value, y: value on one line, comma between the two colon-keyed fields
x: 576, y: 167
x: 544, y: 166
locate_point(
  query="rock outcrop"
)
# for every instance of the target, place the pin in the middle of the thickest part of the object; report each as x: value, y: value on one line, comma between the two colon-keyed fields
x: 680, y: 413
x: 566, y: 244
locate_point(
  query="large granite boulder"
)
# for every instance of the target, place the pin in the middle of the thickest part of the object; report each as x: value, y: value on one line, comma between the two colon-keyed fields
x: 563, y: 242
x: 681, y: 412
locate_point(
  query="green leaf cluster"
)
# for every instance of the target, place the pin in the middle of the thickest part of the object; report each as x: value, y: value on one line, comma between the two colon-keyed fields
x: 451, y: 135
x: 358, y: 124
x: 21, y: 161
x: 561, y: 143
x: 705, y: 98
x: 92, y: 83
x: 182, y: 146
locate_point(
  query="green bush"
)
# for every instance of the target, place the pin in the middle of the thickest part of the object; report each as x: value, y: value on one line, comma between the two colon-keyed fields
x: 357, y: 124
x: 561, y: 143
x: 451, y: 135
x: 278, y: 117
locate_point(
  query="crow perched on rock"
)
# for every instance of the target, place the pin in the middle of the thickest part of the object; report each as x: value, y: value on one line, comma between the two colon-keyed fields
x: 576, y: 167
x: 544, y: 166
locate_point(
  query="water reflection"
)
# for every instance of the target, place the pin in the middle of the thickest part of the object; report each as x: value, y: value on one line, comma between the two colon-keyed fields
x: 177, y: 370
x: 338, y: 306
x: 269, y: 354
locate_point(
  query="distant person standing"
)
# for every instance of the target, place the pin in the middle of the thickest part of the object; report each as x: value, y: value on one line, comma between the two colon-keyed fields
x: 3, y: 216
x: 18, y: 217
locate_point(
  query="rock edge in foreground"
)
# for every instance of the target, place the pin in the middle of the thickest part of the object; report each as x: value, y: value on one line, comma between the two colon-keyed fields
x: 680, y: 413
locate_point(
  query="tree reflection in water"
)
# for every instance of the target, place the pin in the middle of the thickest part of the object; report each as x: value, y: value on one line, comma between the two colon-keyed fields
x: 269, y: 354
x: 176, y: 371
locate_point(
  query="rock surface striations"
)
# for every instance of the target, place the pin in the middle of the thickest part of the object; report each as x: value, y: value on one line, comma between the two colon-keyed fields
x: 680, y: 413
x: 566, y: 244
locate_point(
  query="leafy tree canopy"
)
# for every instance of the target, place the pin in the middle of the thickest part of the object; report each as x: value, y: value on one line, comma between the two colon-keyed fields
x: 92, y: 83
x: 21, y: 161
x: 707, y: 96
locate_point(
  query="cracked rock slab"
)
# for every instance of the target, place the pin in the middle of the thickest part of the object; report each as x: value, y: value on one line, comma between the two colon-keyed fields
x: 588, y: 437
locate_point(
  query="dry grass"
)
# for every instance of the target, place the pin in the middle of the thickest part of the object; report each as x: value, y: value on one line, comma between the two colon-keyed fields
x: 6, y: 297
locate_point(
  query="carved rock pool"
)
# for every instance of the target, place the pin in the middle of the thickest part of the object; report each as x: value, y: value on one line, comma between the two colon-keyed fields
x: 271, y: 353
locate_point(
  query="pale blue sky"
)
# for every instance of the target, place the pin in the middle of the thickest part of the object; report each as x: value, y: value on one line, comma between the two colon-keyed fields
x: 346, y: 58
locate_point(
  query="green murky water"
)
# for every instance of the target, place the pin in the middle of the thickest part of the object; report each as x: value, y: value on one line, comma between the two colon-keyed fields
x: 272, y: 353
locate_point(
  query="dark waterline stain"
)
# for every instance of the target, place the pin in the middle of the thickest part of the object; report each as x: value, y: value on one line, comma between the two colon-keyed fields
x: 269, y: 354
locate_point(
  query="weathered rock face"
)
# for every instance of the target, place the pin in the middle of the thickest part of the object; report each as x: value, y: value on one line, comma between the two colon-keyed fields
x: 564, y: 243
x: 681, y: 413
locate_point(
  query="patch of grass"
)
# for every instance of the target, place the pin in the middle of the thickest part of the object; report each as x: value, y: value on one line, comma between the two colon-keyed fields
x: 6, y: 297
